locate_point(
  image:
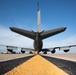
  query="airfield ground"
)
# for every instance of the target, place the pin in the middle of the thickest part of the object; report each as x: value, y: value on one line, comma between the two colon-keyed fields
x: 36, y: 66
x: 5, y: 57
x: 12, y: 64
x: 70, y: 57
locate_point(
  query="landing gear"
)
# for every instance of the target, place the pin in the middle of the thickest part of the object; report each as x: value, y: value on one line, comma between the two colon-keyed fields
x: 34, y: 52
x: 45, y: 52
x: 30, y: 52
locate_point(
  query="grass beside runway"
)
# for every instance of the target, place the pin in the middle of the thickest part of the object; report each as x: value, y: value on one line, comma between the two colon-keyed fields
x: 37, y: 65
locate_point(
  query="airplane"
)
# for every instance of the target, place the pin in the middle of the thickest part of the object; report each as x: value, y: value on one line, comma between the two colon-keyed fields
x: 38, y: 38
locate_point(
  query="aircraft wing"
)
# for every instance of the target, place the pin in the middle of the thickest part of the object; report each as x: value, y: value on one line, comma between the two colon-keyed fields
x: 64, y: 48
x: 49, y: 33
x: 11, y: 48
x: 29, y: 34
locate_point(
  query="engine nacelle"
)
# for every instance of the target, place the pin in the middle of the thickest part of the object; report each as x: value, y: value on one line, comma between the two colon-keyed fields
x: 22, y: 51
x: 53, y: 51
x: 30, y: 52
x: 10, y: 50
x: 66, y: 50
x: 45, y: 52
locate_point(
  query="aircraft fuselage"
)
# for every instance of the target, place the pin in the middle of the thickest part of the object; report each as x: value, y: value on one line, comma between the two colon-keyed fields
x: 38, y: 43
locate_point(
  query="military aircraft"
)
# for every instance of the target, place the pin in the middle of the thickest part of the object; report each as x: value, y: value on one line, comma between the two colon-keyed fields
x: 38, y: 38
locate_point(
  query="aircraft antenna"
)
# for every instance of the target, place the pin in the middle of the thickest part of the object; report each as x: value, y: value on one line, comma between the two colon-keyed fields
x: 38, y: 26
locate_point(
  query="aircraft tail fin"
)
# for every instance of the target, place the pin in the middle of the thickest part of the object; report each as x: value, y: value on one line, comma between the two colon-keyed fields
x: 38, y: 22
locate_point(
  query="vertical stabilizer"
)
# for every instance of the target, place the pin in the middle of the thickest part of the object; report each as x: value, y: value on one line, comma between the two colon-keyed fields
x: 38, y: 26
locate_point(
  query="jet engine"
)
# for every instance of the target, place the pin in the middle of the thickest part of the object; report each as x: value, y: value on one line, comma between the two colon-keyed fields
x: 22, y: 51
x: 10, y: 50
x: 45, y: 52
x: 53, y: 51
x: 66, y: 50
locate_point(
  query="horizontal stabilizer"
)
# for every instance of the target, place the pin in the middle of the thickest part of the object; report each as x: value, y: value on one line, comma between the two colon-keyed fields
x: 49, y: 33
x: 26, y: 33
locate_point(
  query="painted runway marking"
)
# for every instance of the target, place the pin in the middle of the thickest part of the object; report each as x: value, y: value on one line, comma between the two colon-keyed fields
x: 36, y: 66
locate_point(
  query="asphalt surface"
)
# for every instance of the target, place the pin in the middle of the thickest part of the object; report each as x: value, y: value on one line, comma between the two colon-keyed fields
x: 37, y: 65
x: 6, y: 66
x: 67, y: 66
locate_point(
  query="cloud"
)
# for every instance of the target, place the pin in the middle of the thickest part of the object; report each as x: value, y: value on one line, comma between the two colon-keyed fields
x: 64, y: 42
x: 8, y: 37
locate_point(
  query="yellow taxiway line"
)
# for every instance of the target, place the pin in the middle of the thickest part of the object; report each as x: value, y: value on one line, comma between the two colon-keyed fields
x: 37, y: 65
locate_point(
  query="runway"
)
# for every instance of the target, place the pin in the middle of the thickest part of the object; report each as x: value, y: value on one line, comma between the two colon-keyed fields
x: 67, y: 66
x: 64, y: 64
x: 7, y: 57
x: 12, y: 60
x: 70, y: 57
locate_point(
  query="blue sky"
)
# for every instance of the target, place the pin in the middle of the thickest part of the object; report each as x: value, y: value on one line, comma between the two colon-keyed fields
x: 54, y: 14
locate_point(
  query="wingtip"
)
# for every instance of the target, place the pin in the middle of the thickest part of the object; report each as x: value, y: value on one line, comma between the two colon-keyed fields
x: 65, y: 28
x: 11, y: 28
